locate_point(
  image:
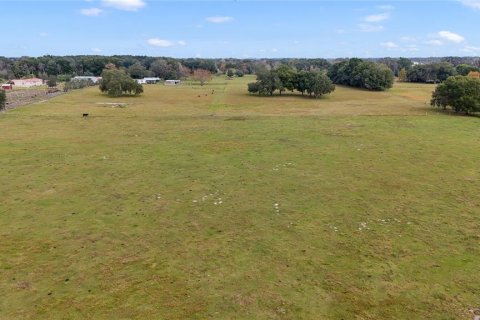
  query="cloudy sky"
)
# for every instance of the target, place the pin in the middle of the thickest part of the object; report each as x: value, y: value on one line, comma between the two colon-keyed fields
x: 241, y: 28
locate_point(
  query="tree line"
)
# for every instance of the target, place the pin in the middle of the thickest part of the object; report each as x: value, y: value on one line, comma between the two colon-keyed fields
x: 65, y: 67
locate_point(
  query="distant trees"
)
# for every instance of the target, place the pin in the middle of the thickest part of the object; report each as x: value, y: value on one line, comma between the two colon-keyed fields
x: 202, y: 76
x: 431, y: 73
x: 464, y: 69
x: 230, y: 73
x: 169, y: 69
x: 404, y: 63
x: 117, y: 82
x: 77, y: 84
x: 3, y: 99
x: 137, y: 71
x: 314, y: 83
x: 362, y: 74
x: 460, y: 93
x: 65, y: 67
x: 402, y: 75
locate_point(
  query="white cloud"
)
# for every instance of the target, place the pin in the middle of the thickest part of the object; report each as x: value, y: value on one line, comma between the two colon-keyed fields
x: 471, y: 49
x: 377, y: 17
x: 182, y: 43
x: 450, y: 36
x: 370, y: 27
x: 91, y: 12
x: 434, y: 42
x: 96, y: 50
x: 126, y: 5
x: 219, y: 19
x: 274, y: 50
x: 43, y: 34
x: 475, y: 4
x: 156, y: 42
x: 389, y: 45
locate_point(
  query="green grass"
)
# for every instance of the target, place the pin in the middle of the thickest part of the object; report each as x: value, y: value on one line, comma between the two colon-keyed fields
x: 360, y: 205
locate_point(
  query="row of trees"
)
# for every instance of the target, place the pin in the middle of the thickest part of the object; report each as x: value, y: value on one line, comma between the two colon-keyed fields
x: 435, y: 72
x: 362, y: 74
x: 287, y: 78
x: 65, y: 67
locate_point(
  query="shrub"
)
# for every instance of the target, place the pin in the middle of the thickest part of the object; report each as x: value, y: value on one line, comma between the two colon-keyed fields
x: 52, y: 81
x: 3, y: 99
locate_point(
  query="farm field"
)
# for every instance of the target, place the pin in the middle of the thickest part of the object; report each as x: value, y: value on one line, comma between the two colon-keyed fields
x: 208, y: 203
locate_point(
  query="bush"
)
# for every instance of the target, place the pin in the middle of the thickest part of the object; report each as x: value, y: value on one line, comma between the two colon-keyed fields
x: 3, y: 99
x: 460, y: 93
x: 253, y: 87
x: 52, y: 81
x: 117, y: 82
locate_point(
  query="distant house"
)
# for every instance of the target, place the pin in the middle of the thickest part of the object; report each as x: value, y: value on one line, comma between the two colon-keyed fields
x: 26, y: 83
x: 93, y: 79
x: 148, y: 80
x: 172, y: 82
x: 7, y: 86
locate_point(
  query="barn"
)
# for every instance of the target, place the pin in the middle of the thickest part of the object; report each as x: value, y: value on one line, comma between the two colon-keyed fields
x: 7, y: 86
x: 172, y: 82
x: 148, y: 80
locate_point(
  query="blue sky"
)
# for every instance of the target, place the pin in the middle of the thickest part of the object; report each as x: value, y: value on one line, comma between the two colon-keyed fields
x: 241, y: 29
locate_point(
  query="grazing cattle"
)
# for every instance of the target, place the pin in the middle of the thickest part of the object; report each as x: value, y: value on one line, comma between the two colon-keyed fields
x: 85, y: 115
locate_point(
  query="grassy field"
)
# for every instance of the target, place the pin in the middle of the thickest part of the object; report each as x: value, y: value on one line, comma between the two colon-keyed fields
x: 192, y: 205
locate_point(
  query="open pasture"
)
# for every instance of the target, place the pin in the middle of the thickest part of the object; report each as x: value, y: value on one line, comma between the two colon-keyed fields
x: 191, y: 205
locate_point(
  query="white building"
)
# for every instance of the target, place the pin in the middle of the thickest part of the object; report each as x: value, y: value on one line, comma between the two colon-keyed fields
x: 27, y: 83
x: 148, y: 80
x: 172, y: 82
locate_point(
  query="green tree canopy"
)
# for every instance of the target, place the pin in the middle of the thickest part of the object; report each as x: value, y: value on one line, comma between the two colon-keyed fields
x: 460, y: 93
x: 362, y: 74
x: 117, y: 82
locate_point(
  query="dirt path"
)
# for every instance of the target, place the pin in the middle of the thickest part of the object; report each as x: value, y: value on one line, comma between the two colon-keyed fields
x: 23, y: 97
